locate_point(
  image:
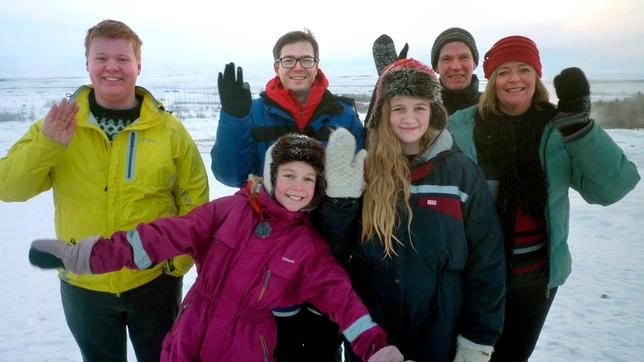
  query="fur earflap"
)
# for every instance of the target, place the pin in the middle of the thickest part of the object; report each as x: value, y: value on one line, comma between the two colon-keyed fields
x: 296, y: 147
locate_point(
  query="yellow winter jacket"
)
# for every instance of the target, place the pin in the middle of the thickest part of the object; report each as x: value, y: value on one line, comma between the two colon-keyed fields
x: 151, y: 169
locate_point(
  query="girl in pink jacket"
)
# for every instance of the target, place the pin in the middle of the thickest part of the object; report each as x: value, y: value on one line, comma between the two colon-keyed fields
x: 255, y: 251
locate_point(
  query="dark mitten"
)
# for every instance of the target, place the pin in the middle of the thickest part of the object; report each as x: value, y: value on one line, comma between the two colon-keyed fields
x: 234, y: 93
x: 384, y: 52
x: 44, y: 260
x: 573, y: 92
x: 403, y: 52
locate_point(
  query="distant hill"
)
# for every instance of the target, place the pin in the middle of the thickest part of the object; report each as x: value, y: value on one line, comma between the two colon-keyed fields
x: 620, y: 113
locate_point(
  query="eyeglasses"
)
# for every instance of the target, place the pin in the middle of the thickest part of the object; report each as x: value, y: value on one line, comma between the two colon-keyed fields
x: 290, y: 62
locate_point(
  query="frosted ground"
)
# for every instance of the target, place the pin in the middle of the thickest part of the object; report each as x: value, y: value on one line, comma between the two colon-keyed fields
x: 598, y: 315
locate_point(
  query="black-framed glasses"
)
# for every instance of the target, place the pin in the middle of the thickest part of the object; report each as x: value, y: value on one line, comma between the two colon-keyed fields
x: 290, y: 62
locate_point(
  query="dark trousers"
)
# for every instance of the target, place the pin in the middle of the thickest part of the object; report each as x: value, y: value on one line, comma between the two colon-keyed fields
x: 307, y: 336
x: 98, y: 320
x: 526, y: 309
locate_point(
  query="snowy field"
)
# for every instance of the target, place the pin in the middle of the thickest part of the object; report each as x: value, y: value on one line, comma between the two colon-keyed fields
x: 598, y: 315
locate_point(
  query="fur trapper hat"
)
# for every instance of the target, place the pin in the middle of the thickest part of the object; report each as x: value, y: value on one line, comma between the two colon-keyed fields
x: 296, y: 147
x: 409, y: 77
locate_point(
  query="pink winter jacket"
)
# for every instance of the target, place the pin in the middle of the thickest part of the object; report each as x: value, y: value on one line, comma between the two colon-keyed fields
x: 249, y: 261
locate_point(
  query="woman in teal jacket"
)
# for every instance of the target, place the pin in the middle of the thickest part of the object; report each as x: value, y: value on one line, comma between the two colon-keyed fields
x: 531, y: 154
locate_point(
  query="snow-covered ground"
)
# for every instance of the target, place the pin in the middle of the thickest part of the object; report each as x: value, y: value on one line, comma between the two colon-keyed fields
x: 598, y: 315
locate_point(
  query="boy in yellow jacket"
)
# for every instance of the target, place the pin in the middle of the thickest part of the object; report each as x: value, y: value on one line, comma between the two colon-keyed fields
x: 114, y: 158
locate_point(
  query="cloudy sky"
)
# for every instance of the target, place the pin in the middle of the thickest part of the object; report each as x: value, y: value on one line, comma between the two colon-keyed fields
x: 603, y: 37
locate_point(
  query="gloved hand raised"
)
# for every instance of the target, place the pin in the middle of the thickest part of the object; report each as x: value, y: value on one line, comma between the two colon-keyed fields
x: 468, y: 351
x: 573, y: 91
x: 384, y: 52
x: 234, y: 93
x: 52, y: 253
x: 344, y: 168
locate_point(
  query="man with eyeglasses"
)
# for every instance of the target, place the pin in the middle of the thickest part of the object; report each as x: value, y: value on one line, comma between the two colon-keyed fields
x: 295, y: 101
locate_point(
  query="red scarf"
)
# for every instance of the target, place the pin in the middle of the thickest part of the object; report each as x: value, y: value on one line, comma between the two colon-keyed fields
x: 287, y: 99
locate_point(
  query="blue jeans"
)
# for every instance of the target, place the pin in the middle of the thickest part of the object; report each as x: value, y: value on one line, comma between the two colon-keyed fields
x: 98, y: 320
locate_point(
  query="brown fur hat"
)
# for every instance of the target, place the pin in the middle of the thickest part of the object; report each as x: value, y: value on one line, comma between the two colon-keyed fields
x: 297, y: 147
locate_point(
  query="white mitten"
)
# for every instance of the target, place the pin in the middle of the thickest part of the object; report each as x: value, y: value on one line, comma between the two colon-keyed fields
x: 343, y: 167
x: 468, y: 351
x: 75, y: 258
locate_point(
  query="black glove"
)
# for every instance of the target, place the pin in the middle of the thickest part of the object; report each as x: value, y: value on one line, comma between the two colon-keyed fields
x: 573, y: 92
x: 234, y: 94
x: 384, y: 52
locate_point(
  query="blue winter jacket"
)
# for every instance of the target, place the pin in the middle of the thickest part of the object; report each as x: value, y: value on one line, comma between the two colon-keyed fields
x: 592, y: 164
x: 241, y: 143
x: 450, y: 279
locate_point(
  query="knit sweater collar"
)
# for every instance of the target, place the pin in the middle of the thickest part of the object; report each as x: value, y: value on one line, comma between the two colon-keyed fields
x: 462, y: 98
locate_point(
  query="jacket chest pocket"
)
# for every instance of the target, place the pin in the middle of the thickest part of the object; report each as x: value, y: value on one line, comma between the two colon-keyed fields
x: 147, y: 161
x: 279, y: 282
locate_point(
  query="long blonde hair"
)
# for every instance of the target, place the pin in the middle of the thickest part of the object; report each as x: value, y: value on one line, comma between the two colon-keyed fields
x: 387, y: 175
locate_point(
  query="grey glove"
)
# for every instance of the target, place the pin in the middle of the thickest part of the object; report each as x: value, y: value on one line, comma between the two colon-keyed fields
x: 573, y: 91
x: 75, y: 258
x: 344, y: 168
x: 468, y: 351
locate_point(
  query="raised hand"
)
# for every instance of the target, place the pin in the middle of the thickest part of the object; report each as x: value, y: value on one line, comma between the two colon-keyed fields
x: 60, y: 122
x: 234, y: 93
x: 384, y: 52
x: 344, y: 168
x: 573, y: 91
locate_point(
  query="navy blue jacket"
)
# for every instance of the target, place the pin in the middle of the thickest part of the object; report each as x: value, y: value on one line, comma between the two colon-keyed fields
x: 452, y: 280
x: 241, y: 143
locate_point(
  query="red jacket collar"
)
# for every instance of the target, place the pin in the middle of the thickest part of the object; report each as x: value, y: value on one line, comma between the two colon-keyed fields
x: 287, y: 99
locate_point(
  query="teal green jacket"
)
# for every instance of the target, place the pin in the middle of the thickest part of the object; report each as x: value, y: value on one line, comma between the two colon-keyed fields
x: 592, y: 164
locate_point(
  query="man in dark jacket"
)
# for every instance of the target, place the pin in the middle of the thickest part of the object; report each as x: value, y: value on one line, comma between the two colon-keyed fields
x: 295, y: 101
x: 454, y: 57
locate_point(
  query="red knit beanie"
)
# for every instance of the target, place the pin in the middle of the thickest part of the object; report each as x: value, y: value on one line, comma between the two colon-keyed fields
x: 514, y: 48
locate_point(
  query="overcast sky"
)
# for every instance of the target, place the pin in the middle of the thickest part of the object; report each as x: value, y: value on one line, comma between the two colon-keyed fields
x: 606, y: 38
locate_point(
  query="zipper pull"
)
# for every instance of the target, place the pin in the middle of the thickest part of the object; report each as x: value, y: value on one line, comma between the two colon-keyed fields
x: 261, y: 293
